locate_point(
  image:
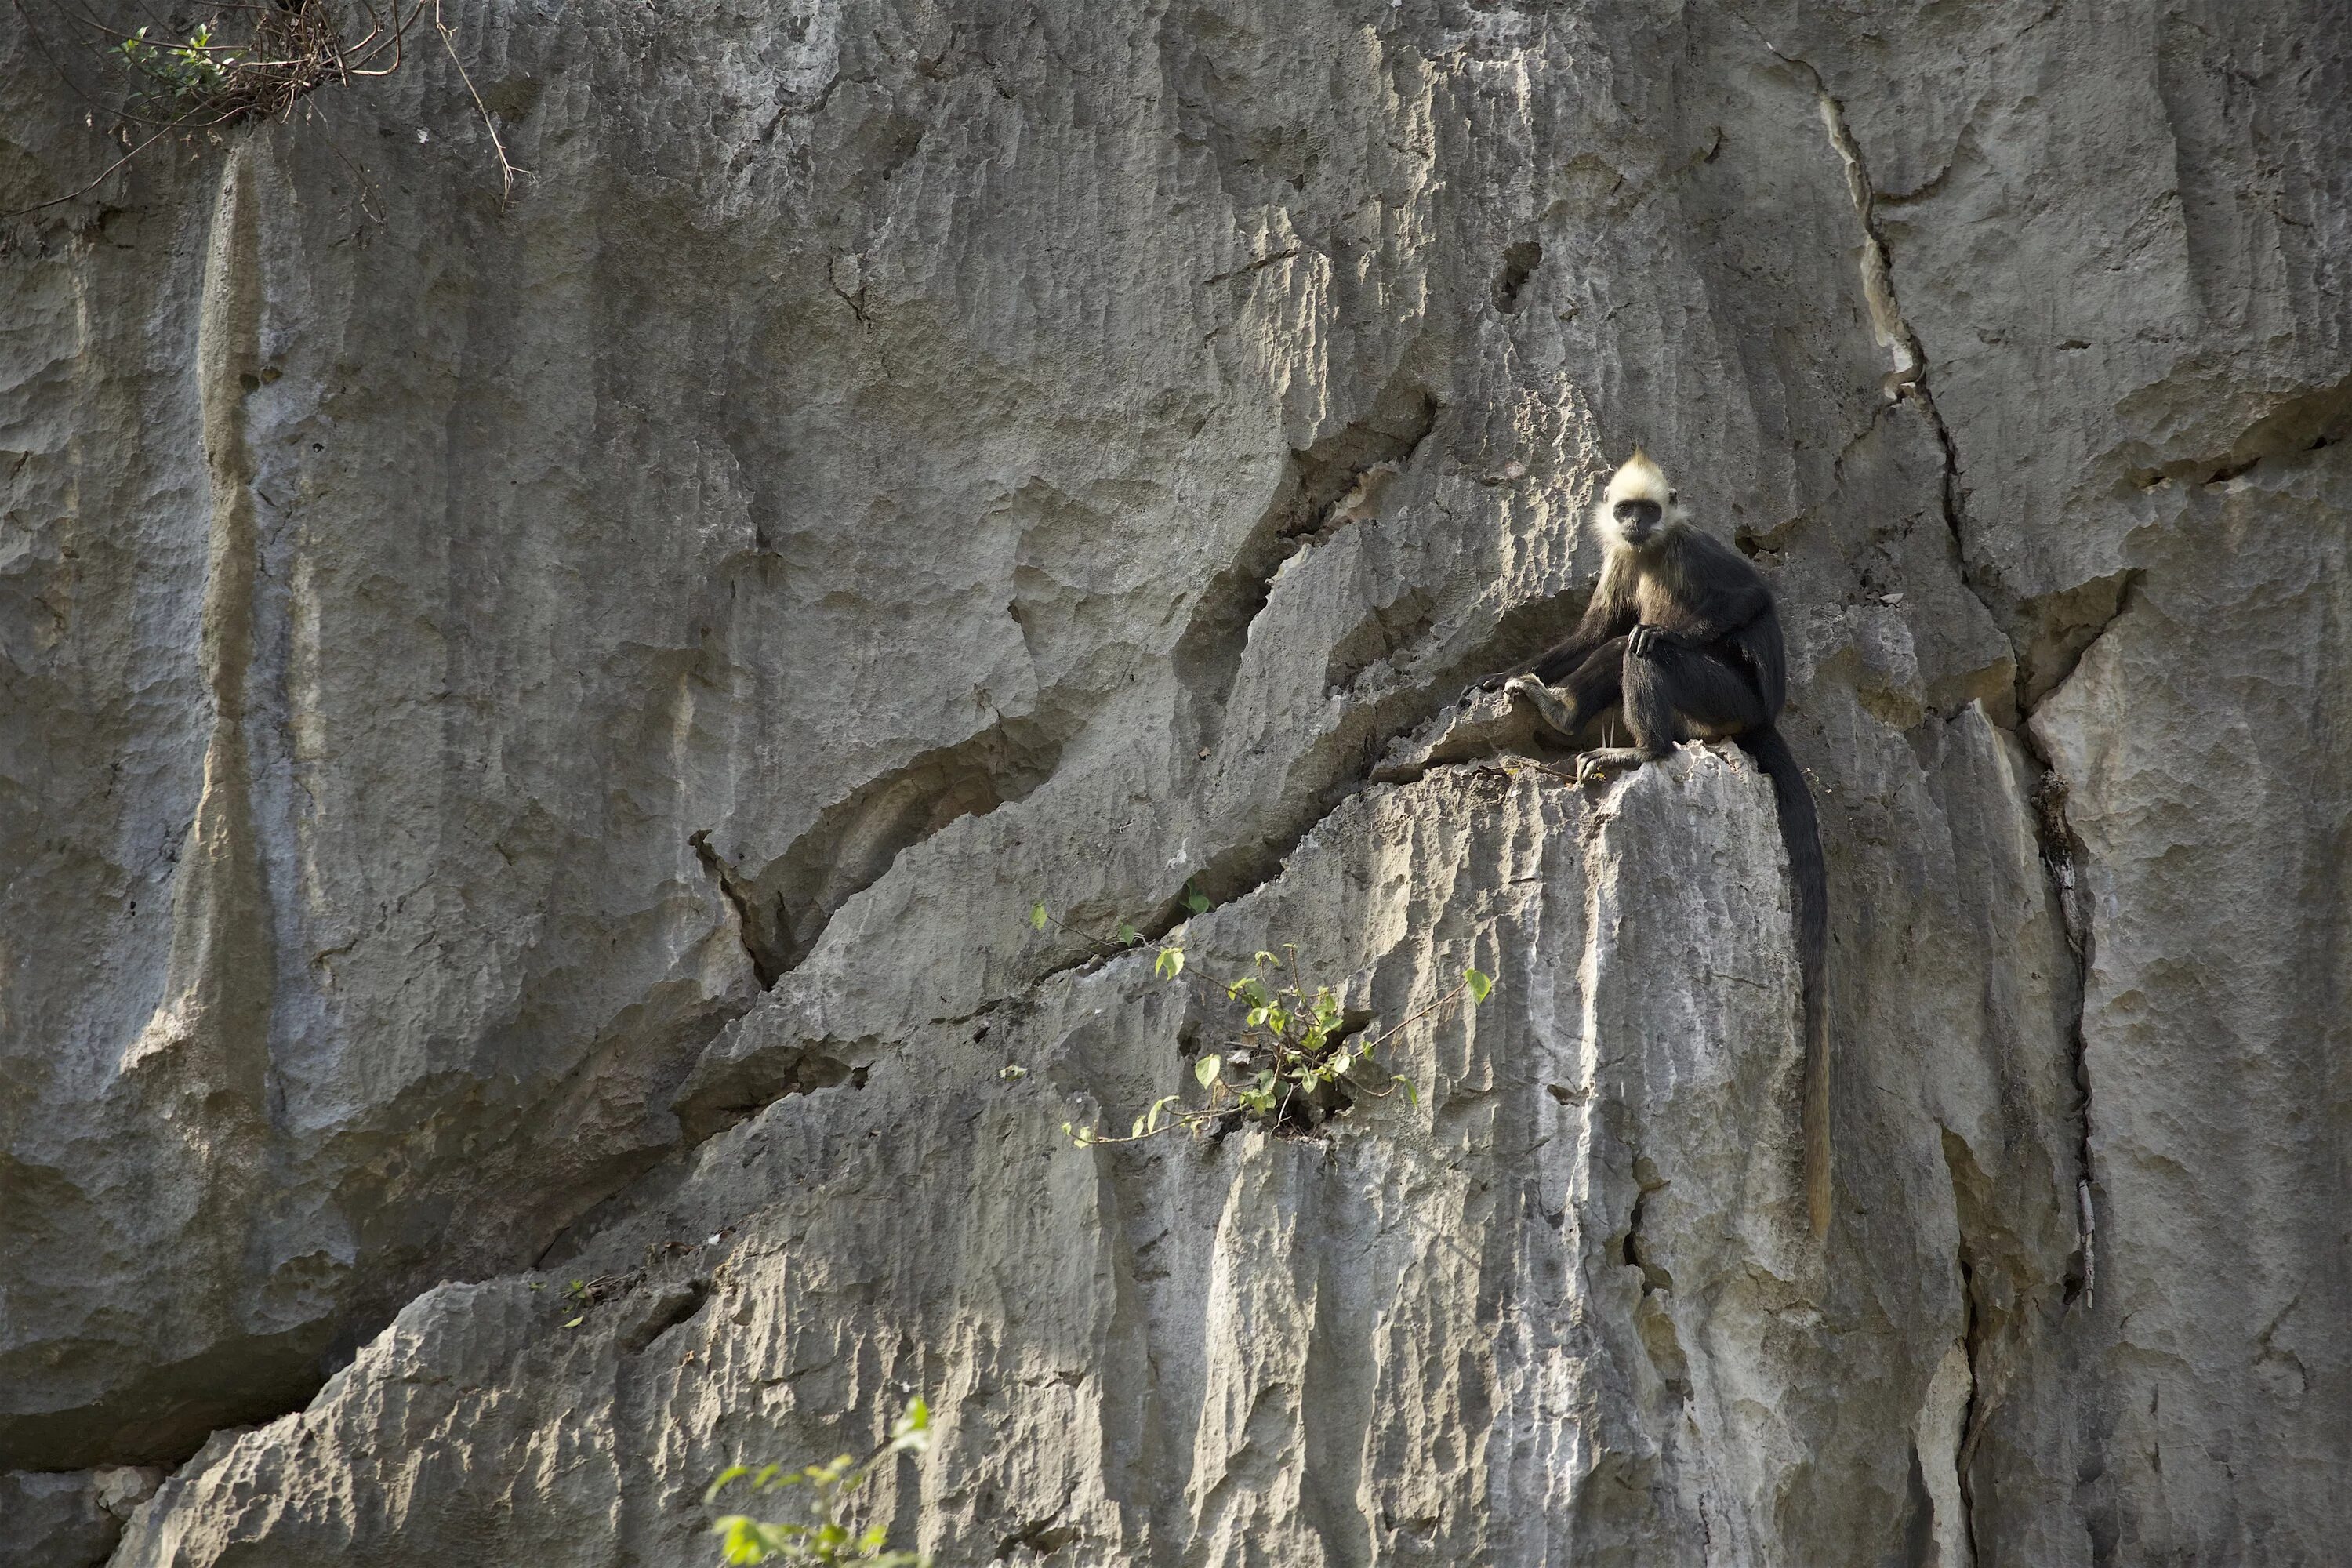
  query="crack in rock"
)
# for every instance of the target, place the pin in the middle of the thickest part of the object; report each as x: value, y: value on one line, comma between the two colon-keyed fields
x: 2073, y: 620
x: 1337, y: 480
x: 783, y: 907
x: 1519, y: 263
x: 1908, y: 379
x: 730, y: 886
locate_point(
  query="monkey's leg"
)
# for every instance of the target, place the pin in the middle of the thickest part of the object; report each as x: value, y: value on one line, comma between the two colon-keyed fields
x: 1591, y: 687
x: 1712, y: 697
x: 1598, y: 682
x: 1671, y: 691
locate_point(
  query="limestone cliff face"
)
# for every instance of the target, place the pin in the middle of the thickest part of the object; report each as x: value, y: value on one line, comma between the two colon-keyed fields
x: 528, y: 735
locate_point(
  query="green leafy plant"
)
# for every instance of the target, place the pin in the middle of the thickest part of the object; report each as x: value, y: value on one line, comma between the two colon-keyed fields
x: 1292, y: 1055
x: 189, y: 71
x: 822, y: 1537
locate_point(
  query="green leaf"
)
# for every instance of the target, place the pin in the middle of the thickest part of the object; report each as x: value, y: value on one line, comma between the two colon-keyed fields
x: 743, y: 1543
x: 1206, y: 1070
x: 1128, y: 935
x: 1479, y: 984
x: 731, y: 1473
x: 1196, y: 901
x: 1264, y: 957
x: 577, y: 1321
x: 1037, y: 916
x: 1169, y: 964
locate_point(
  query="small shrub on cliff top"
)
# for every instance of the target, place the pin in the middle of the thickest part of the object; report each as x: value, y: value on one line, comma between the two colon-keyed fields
x: 246, y: 60
x: 1292, y: 1054
x: 822, y: 1537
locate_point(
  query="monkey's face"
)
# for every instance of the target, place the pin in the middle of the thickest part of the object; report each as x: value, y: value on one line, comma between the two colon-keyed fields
x: 1639, y: 503
x: 1637, y: 522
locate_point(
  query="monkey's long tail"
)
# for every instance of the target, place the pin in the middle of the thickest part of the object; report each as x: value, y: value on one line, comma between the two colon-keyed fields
x: 1800, y: 829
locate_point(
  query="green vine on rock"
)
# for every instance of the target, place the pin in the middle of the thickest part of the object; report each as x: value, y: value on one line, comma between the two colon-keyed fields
x: 822, y: 1537
x: 1292, y: 1053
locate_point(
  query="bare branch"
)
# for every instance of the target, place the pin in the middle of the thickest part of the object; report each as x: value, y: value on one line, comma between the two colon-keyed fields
x: 506, y: 171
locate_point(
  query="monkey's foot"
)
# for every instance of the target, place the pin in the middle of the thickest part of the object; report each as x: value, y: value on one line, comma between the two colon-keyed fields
x: 1556, y: 715
x: 1594, y: 767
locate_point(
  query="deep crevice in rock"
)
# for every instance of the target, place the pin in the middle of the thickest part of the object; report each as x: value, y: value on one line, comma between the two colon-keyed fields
x: 1519, y: 263
x: 2063, y: 855
x: 1337, y: 480
x: 1632, y: 1250
x: 2307, y: 422
x: 1908, y: 380
x: 671, y: 1305
x: 1918, y: 1517
x: 758, y: 1082
x: 1974, y: 1413
x: 1970, y: 1197
x: 852, y: 844
x: 764, y: 962
x: 165, y: 1418
x: 2064, y: 625
x: 1040, y: 1536
x: 2074, y: 620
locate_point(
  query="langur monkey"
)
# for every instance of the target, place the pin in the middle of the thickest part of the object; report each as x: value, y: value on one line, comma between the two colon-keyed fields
x: 1682, y: 637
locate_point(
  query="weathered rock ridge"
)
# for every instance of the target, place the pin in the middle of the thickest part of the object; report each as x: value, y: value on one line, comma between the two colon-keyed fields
x: 526, y: 733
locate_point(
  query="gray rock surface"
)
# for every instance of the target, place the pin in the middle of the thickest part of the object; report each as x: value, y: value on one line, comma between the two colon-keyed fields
x: 54, y: 1520
x: 527, y: 734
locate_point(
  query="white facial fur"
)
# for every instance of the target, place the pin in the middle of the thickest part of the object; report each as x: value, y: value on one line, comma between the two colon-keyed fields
x: 1638, y: 479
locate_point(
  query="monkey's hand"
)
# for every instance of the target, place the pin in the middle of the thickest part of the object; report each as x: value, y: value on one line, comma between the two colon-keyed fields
x: 1647, y: 641
x: 1594, y: 767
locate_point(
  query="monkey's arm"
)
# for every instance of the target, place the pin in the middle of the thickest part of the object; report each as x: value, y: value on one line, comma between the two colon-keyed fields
x: 1726, y: 613
x: 1719, y: 596
x: 1732, y: 613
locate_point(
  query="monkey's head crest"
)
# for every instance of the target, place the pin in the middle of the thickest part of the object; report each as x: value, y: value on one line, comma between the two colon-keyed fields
x: 1639, y: 504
